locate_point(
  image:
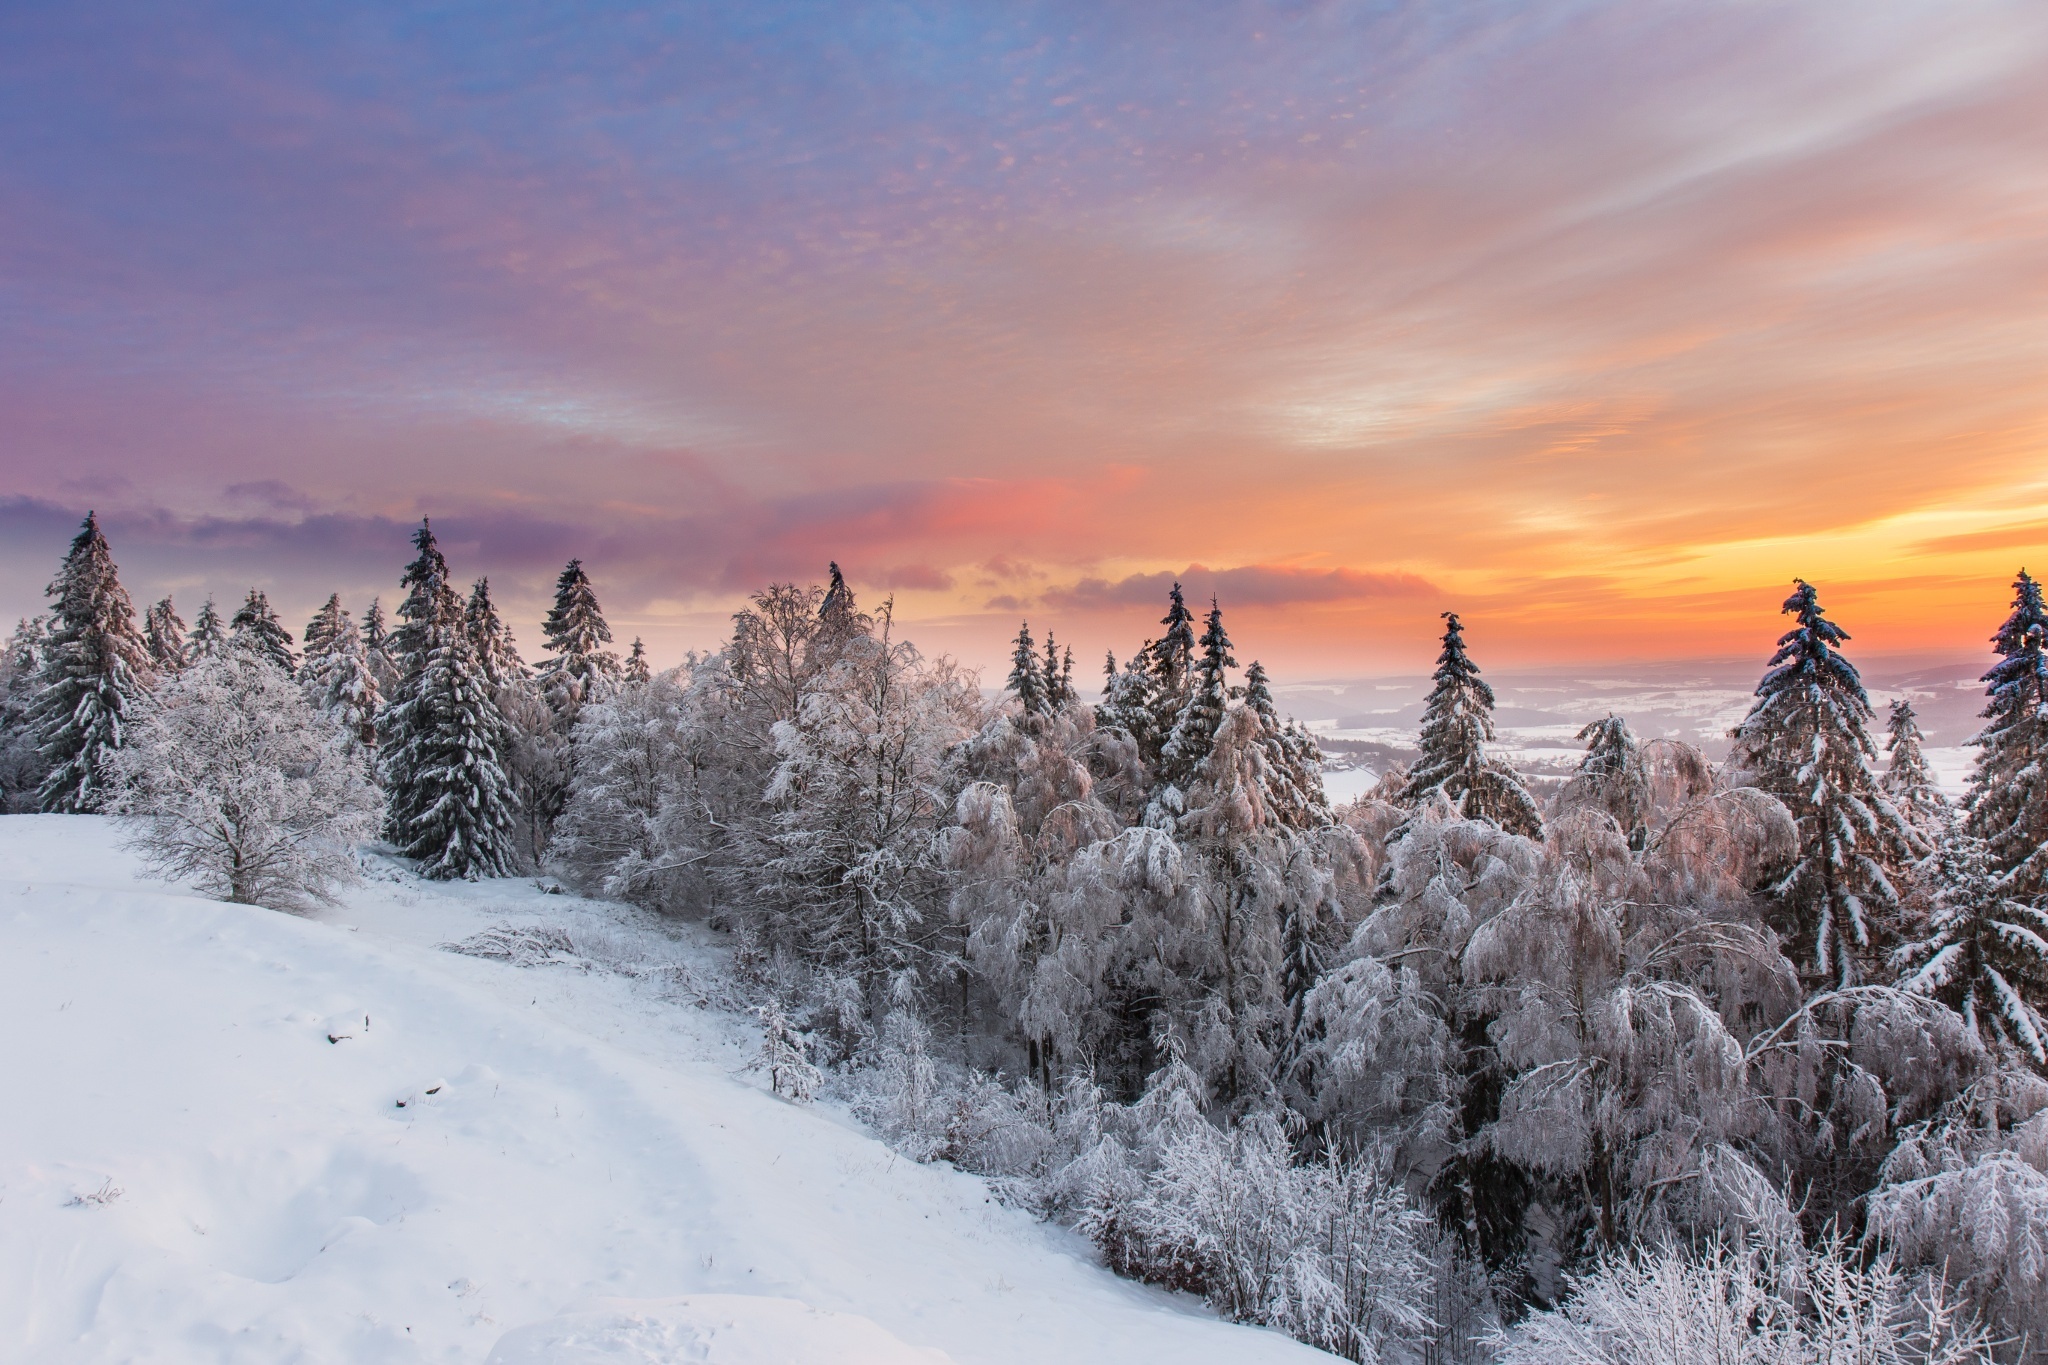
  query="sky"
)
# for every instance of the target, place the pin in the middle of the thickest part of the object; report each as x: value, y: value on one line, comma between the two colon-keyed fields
x: 1595, y: 322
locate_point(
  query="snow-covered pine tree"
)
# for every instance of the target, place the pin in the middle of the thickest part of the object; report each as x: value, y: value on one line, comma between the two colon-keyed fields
x: 22, y: 768
x: 2008, y: 797
x: 450, y: 805
x: 164, y: 632
x: 496, y: 650
x: 1982, y: 953
x: 575, y: 629
x: 1907, y: 777
x: 837, y: 609
x: 95, y: 667
x: 1126, y: 706
x: 1293, y: 772
x: 327, y: 626
x: 1025, y: 679
x: 256, y: 627
x: 429, y: 601
x: 431, y: 610
x: 1457, y: 725
x: 1207, y: 693
x: 209, y: 633
x: 1613, y: 777
x: 349, y: 694
x: 1057, y: 678
x: 1806, y: 741
x: 1171, y: 666
x: 377, y: 647
x: 635, y: 670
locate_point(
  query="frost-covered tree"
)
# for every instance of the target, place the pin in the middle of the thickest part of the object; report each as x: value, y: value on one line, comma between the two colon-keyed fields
x: 1907, y: 778
x: 1457, y: 725
x: 1171, y: 665
x: 575, y: 630
x: 786, y: 1055
x: 1981, y: 953
x: 2008, y: 797
x: 1127, y: 705
x: 256, y: 626
x: 430, y: 602
x: 95, y: 666
x: 450, y: 806
x: 1293, y: 771
x: 1806, y: 741
x: 1194, y: 728
x: 238, y: 785
x: 496, y: 651
x: 635, y: 671
x: 1058, y: 675
x: 1026, y: 679
x: 349, y: 693
x: 1613, y: 776
x: 209, y: 632
x: 377, y: 647
x: 632, y: 774
x: 164, y: 632
x: 326, y: 627
x: 21, y: 669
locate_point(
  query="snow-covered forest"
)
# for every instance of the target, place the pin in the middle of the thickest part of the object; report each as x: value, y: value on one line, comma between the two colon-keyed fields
x: 1736, y: 1061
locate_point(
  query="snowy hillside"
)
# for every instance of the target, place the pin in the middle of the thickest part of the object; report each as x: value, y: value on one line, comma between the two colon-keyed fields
x: 235, y: 1135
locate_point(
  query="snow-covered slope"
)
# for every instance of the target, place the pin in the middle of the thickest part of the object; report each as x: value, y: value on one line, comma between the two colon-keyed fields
x: 582, y: 1169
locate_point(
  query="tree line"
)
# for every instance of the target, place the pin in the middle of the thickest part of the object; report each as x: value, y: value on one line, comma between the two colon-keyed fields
x: 1748, y: 1053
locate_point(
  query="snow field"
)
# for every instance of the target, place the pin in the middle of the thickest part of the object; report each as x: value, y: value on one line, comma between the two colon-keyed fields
x: 582, y: 1170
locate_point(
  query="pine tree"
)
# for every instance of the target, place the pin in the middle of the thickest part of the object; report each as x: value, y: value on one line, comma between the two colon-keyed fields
x: 256, y: 627
x: 1294, y: 794
x: 1057, y: 678
x: 430, y: 613
x: 327, y: 626
x: 1025, y: 679
x: 450, y: 806
x: 574, y: 629
x: 22, y: 768
x: 1127, y: 703
x: 164, y: 633
x: 377, y: 647
x: 1194, y: 728
x: 349, y: 693
x: 428, y: 602
x: 1983, y: 954
x: 637, y: 672
x: 1614, y: 777
x: 1907, y: 778
x: 1066, y: 695
x: 96, y: 666
x: 495, y: 648
x: 1457, y: 725
x: 2008, y: 798
x: 209, y: 634
x: 1171, y: 666
x: 1806, y: 742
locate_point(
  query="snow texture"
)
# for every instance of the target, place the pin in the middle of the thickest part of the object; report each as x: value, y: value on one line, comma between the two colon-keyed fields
x: 583, y: 1168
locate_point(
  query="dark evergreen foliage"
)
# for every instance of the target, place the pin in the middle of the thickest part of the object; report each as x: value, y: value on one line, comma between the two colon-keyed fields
x: 95, y: 668
x: 256, y: 628
x: 1457, y: 725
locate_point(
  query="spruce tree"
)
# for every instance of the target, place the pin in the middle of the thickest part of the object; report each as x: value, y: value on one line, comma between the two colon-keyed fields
x: 209, y: 633
x: 495, y: 648
x: 1614, y: 777
x: 1293, y: 770
x: 1025, y: 679
x: 257, y: 628
x: 636, y: 670
x: 1457, y: 725
x: 451, y: 807
x: 2008, y: 798
x: 1066, y: 695
x: 377, y: 647
x: 1171, y: 665
x: 574, y: 629
x: 349, y: 692
x: 96, y: 666
x: 1128, y: 703
x: 428, y: 602
x: 164, y: 633
x: 1806, y: 741
x: 1983, y: 954
x: 22, y: 768
x: 1194, y: 728
x: 1907, y: 778
x: 327, y: 626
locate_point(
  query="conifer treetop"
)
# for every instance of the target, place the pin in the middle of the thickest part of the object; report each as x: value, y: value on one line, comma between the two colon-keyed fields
x: 1026, y: 679
x: 1457, y: 725
x: 96, y: 665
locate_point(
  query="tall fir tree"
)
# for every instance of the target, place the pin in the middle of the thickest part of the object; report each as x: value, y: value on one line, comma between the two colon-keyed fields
x: 324, y: 629
x: 163, y: 631
x: 429, y: 602
x: 209, y: 633
x: 1907, y: 778
x: 22, y: 768
x: 1982, y: 953
x: 1171, y: 665
x: 1127, y: 703
x: 496, y: 650
x: 1025, y: 678
x: 636, y: 670
x: 1457, y: 725
x: 1194, y: 728
x: 450, y: 806
x: 1614, y: 777
x: 96, y: 667
x: 575, y: 630
x: 2008, y: 796
x: 256, y: 627
x: 377, y: 647
x: 1807, y: 742
x: 350, y: 693
x: 1293, y: 770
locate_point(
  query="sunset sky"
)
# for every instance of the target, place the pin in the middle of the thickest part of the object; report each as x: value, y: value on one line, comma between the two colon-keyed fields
x: 1596, y: 322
